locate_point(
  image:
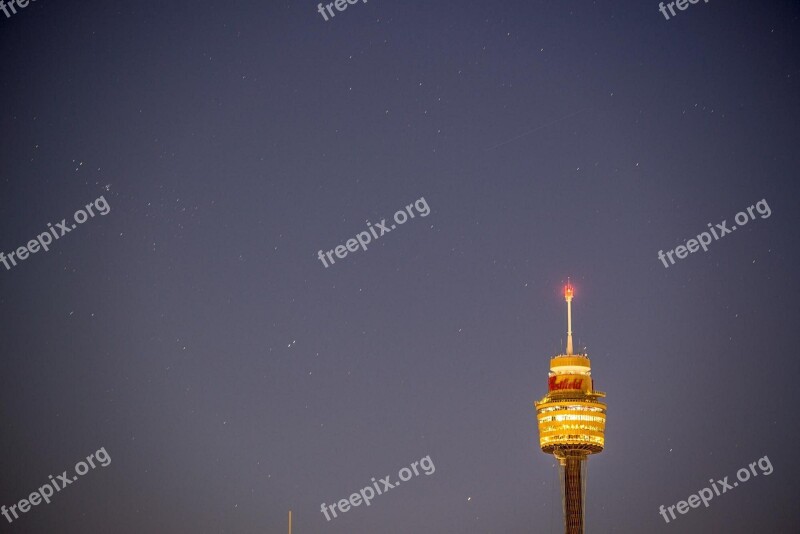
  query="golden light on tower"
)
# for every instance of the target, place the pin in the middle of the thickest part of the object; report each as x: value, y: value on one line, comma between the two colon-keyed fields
x: 572, y: 423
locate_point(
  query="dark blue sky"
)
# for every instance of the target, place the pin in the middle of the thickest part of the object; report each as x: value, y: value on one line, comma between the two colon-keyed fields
x: 193, y: 333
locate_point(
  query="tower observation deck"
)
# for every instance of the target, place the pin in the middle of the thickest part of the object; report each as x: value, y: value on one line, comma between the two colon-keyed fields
x: 572, y: 422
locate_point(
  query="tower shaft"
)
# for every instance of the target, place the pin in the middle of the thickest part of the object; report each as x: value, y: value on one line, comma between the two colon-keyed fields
x: 573, y: 488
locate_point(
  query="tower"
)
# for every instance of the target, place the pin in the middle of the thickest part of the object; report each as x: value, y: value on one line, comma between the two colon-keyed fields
x: 572, y: 423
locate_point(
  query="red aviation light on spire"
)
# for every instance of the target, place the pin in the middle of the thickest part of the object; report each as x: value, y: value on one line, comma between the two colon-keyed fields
x: 569, y: 291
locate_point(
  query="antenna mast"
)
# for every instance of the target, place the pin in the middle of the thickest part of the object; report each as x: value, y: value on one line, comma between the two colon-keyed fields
x: 568, y: 292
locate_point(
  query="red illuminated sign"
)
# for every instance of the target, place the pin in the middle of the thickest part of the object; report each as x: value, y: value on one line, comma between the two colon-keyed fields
x: 566, y: 383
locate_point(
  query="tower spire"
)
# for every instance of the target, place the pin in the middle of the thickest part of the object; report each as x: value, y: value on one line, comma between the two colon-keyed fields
x: 568, y: 292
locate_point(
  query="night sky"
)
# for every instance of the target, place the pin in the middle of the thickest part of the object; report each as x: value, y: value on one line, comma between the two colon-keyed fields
x: 194, y: 334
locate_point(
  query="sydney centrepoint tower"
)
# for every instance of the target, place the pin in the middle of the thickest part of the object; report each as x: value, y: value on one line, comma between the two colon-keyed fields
x: 572, y: 423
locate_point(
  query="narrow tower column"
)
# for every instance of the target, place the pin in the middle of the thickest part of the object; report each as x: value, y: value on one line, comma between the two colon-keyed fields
x: 574, y: 488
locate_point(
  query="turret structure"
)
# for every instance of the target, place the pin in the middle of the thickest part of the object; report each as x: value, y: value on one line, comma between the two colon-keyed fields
x: 572, y: 423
